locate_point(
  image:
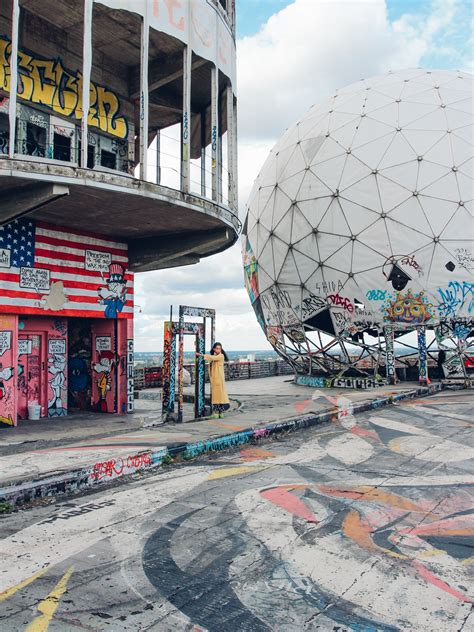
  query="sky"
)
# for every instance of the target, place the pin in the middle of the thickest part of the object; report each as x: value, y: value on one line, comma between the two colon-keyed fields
x: 291, y: 54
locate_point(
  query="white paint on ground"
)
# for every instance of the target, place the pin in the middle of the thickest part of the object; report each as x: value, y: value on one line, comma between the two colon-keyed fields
x: 349, y: 449
x: 44, y: 543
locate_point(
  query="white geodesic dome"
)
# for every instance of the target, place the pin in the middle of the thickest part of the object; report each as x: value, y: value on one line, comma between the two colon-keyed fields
x: 361, y: 217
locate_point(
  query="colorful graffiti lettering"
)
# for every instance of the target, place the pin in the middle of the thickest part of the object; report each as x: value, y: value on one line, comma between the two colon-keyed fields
x: 376, y: 295
x: 48, y: 83
x: 341, y: 301
x: 408, y: 308
x: 453, y: 298
x: 116, y: 467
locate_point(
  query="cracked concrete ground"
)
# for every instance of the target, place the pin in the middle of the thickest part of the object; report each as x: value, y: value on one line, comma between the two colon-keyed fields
x: 365, y: 523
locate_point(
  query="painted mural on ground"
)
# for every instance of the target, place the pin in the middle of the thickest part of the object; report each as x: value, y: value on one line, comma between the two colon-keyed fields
x: 47, y: 269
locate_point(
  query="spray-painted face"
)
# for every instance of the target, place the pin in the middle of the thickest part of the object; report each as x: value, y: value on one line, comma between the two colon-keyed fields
x: 408, y: 308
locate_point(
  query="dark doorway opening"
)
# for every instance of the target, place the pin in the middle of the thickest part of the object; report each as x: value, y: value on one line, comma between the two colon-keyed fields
x: 79, y: 364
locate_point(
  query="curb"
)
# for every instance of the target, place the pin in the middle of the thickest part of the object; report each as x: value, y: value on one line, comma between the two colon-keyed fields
x: 142, y: 461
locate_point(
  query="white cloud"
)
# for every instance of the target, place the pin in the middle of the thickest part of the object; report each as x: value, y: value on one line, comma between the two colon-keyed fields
x: 311, y: 47
x: 302, y: 54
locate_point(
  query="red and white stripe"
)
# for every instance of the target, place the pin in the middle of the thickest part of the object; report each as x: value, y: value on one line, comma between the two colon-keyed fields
x: 63, y: 252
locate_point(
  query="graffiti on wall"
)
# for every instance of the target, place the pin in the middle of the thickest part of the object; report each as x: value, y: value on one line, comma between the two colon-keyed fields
x: 390, y: 355
x: 250, y: 271
x: 456, y: 296
x: 422, y: 356
x: 42, y: 276
x: 46, y: 82
x: 103, y: 369
x: 57, y: 362
x: 114, y: 296
x: 408, y: 308
x: 7, y: 371
x: 130, y: 402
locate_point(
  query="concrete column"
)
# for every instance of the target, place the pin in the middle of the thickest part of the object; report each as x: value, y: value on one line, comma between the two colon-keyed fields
x: 181, y: 366
x: 235, y: 162
x: 86, y: 80
x: 158, y: 157
x: 422, y: 356
x: 13, y: 78
x: 230, y: 146
x: 203, y: 154
x: 389, y: 355
x: 186, y: 124
x: 145, y: 38
x: 214, y: 131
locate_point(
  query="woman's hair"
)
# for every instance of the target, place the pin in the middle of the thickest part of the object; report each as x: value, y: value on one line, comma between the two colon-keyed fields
x: 222, y: 350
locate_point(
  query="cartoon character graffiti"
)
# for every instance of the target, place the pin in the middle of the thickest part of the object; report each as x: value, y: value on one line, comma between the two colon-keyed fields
x: 104, y: 368
x: 57, y: 367
x: 114, y: 295
x: 408, y: 308
x: 5, y: 375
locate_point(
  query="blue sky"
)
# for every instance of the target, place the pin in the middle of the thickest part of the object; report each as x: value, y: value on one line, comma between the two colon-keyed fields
x: 454, y: 43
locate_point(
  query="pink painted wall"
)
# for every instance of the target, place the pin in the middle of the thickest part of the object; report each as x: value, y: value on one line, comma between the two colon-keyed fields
x: 8, y: 369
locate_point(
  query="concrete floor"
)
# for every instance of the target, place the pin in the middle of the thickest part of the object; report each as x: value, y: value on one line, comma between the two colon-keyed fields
x: 361, y: 524
x: 36, y: 450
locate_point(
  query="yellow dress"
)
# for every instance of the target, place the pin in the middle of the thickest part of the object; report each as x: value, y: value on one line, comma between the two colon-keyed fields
x: 217, y: 377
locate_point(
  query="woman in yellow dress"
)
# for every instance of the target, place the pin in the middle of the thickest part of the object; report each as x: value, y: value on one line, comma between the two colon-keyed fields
x: 219, y: 397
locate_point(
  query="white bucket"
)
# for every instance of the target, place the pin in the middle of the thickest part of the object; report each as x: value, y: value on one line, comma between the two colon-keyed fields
x: 34, y: 410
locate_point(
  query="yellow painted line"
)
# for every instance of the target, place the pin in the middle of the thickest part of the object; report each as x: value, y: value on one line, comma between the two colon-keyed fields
x: 48, y: 606
x: 234, y: 471
x: 467, y: 561
x: 11, y: 591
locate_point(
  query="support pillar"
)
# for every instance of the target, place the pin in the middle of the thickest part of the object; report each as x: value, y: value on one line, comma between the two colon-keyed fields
x: 180, y: 366
x: 186, y: 125
x: 145, y: 39
x: 389, y: 355
x: 86, y: 80
x: 158, y: 160
x: 203, y: 154
x: 230, y: 146
x: 13, y: 79
x: 214, y: 131
x: 422, y: 356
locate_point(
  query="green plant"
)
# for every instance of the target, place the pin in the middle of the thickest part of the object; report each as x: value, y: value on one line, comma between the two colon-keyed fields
x: 4, y: 507
x: 167, y: 459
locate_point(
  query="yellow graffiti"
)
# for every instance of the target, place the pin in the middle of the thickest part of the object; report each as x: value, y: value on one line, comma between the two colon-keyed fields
x: 235, y: 471
x: 48, y: 83
x: 11, y: 591
x: 6, y: 420
x: 48, y: 606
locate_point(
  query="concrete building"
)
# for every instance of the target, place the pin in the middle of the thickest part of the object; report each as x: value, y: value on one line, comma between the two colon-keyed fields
x: 154, y: 186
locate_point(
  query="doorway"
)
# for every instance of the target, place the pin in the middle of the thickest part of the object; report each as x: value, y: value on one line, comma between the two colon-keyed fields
x: 31, y: 365
x: 79, y: 364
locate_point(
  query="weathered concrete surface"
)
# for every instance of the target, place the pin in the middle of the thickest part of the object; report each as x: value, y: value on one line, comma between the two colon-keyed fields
x: 364, y: 523
x: 32, y: 470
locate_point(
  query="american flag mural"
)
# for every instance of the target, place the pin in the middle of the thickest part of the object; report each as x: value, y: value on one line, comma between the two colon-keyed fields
x: 46, y: 270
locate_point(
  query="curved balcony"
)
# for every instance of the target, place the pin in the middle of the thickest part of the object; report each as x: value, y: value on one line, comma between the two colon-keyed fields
x: 159, y: 167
